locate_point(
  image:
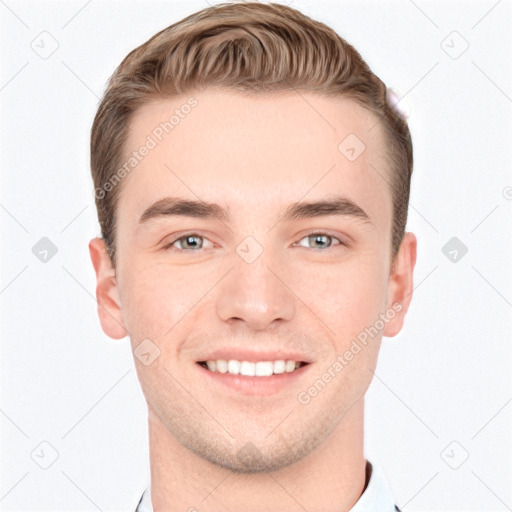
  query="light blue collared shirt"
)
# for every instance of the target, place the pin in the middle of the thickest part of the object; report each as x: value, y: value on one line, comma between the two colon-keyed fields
x: 377, y: 496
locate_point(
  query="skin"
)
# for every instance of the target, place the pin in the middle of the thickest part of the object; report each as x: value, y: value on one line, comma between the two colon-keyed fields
x: 255, y: 154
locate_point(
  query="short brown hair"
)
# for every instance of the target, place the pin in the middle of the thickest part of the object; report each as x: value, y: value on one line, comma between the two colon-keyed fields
x: 247, y: 46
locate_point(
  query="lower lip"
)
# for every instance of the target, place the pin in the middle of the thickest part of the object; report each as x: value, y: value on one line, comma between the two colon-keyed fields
x: 260, y: 386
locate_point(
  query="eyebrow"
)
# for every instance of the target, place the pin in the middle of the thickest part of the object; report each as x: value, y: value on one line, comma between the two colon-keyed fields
x: 175, y: 206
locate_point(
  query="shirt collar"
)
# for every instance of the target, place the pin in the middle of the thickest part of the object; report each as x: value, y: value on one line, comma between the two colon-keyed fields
x: 376, y: 496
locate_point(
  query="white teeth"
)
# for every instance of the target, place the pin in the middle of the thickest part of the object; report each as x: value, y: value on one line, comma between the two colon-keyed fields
x: 279, y: 366
x: 264, y: 368
x: 290, y: 366
x: 247, y: 368
x: 234, y: 366
x: 222, y: 366
x: 250, y: 369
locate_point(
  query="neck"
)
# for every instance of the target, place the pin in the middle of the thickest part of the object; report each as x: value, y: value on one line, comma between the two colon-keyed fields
x: 331, y: 478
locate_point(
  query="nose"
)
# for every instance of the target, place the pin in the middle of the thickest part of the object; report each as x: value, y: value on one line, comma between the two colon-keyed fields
x: 256, y: 294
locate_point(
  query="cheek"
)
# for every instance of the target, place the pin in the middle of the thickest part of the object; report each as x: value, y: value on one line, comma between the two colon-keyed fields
x: 143, y: 296
x: 155, y: 297
x: 347, y: 296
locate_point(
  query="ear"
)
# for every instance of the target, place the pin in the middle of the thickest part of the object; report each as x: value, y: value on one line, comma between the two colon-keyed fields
x: 107, y: 293
x: 400, y: 284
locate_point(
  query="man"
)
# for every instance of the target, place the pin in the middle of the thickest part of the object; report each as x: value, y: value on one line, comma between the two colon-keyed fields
x: 262, y: 139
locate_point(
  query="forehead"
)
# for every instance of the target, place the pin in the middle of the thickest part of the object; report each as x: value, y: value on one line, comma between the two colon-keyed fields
x: 255, y: 152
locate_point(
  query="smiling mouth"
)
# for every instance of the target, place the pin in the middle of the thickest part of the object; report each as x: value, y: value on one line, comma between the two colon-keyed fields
x: 252, y: 369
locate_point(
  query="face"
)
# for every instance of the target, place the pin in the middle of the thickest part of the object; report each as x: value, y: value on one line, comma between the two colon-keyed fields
x: 258, y: 278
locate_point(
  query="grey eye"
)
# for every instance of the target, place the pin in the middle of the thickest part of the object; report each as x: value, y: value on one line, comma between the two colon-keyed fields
x: 320, y: 240
x: 189, y: 239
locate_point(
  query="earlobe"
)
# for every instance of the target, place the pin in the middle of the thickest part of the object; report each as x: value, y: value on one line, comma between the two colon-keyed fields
x: 400, y: 284
x: 107, y: 293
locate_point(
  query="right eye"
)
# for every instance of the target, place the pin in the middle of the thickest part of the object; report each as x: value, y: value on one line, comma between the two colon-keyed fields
x: 188, y: 238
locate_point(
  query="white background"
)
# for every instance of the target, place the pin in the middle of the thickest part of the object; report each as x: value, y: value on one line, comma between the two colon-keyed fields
x: 445, y: 378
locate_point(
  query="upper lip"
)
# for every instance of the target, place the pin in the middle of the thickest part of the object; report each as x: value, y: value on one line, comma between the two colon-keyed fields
x: 252, y: 356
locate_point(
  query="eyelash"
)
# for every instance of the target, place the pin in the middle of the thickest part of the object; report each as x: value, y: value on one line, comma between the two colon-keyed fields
x: 314, y: 233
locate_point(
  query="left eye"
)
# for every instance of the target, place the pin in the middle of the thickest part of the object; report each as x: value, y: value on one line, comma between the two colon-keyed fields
x: 323, y: 239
